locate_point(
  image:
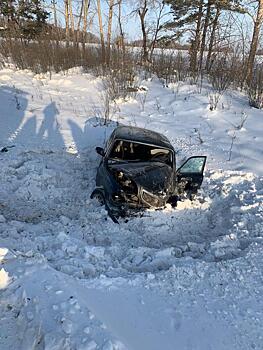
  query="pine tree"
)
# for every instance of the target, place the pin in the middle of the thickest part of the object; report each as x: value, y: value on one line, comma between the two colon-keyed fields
x: 29, y: 16
x: 32, y: 17
x: 187, y: 13
x: 7, y: 9
x: 200, y: 14
x: 218, y: 7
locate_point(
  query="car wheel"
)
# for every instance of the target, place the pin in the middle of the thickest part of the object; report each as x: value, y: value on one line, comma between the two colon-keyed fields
x: 98, y: 196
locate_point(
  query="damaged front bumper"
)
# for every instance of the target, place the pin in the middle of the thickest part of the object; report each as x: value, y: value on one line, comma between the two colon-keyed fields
x: 123, y: 204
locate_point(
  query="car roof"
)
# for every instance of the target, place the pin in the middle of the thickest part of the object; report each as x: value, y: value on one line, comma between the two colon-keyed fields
x: 132, y: 133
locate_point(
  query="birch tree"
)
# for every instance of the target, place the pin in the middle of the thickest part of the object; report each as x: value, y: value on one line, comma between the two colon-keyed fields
x: 102, y: 41
x: 66, y: 6
x: 121, y: 41
x: 86, y: 5
x: 111, y: 5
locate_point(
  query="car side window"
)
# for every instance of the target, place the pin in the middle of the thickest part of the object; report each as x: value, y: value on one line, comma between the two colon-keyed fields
x: 193, y: 165
x: 117, y: 150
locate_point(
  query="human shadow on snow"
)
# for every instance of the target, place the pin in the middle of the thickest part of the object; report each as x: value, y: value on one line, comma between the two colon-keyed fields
x: 13, y: 104
x: 95, y: 133
x: 47, y: 135
x: 49, y: 129
x: 17, y: 128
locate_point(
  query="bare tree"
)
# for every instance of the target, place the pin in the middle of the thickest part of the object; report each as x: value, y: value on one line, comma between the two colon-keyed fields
x: 142, y: 11
x: 79, y: 21
x: 197, y: 38
x: 205, y: 29
x: 54, y: 12
x: 217, y: 8
x: 83, y: 16
x: 111, y: 4
x: 72, y: 24
x: 121, y: 39
x: 66, y: 4
x: 215, y: 23
x: 254, y: 42
x: 157, y: 26
x: 86, y: 5
x: 80, y: 15
x: 101, y: 31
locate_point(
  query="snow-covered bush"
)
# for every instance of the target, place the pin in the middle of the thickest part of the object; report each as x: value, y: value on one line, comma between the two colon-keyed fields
x: 119, y: 81
x: 48, y: 56
x: 214, y: 98
x: 170, y: 68
x: 220, y: 78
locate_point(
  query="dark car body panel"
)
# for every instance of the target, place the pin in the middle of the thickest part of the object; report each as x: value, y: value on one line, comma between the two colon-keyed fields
x: 144, y: 184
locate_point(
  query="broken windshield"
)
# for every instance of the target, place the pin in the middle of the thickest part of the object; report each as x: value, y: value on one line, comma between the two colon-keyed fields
x: 128, y: 151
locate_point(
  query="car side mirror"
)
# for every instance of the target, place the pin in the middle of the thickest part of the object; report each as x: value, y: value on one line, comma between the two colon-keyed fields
x: 100, y: 151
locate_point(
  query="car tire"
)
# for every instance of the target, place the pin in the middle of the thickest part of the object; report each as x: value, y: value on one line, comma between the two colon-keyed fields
x: 99, y: 196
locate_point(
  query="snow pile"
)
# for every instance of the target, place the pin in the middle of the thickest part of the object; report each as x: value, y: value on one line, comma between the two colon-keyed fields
x: 4, y: 279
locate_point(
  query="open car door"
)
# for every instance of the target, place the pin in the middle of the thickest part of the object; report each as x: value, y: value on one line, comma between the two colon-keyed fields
x: 190, y: 174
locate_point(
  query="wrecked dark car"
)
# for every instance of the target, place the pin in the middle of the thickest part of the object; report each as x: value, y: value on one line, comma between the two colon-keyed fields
x: 138, y: 171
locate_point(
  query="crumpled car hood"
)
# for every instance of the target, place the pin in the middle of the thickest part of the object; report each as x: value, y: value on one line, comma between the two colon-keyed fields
x: 155, y: 177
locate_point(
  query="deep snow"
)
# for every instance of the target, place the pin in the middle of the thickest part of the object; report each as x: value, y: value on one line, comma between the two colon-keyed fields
x: 189, y: 278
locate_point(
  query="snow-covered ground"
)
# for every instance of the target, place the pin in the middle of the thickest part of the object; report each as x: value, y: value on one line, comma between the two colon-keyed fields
x: 188, y: 278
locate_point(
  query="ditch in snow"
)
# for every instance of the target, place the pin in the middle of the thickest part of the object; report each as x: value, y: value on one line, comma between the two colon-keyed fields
x: 45, y: 209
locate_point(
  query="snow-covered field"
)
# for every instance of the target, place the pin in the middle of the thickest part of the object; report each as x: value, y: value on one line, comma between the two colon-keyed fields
x: 189, y: 278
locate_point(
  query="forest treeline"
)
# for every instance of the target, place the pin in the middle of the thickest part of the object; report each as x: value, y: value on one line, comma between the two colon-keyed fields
x: 220, y: 38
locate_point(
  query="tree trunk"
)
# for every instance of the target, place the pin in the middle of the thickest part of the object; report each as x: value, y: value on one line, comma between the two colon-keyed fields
x: 67, y: 21
x: 72, y: 24
x: 55, y: 13
x: 254, y: 42
x: 122, y: 43
x: 86, y: 6
x: 79, y: 21
x: 157, y: 29
x: 212, y: 40
x: 101, y: 32
x: 55, y: 21
x: 205, y: 28
x: 111, y: 4
x: 196, y: 41
x: 142, y: 13
x: 80, y: 15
